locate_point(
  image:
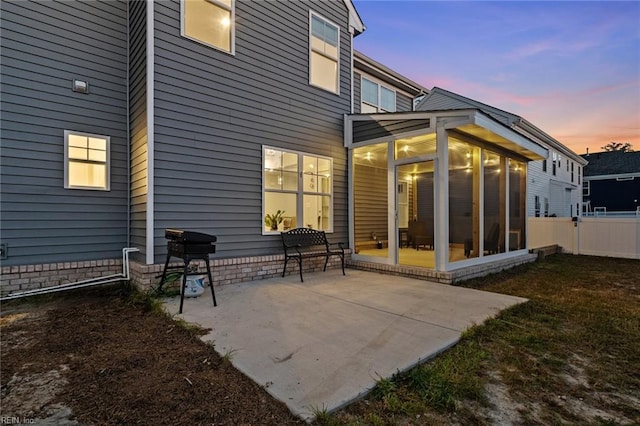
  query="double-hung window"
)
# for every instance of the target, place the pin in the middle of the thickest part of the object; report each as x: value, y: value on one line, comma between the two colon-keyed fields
x: 376, y: 97
x: 297, y: 191
x: 210, y: 22
x: 324, y: 54
x: 86, y: 161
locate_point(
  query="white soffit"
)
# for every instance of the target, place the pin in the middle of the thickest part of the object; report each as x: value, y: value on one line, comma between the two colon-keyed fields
x: 488, y: 130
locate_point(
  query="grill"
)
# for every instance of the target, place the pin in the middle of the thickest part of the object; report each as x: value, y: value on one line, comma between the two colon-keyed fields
x: 189, y: 246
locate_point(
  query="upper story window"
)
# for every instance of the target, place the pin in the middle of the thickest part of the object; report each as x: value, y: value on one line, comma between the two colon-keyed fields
x: 579, y: 172
x: 324, y: 54
x: 376, y: 97
x: 86, y: 161
x: 572, y: 168
x: 544, y: 165
x: 210, y: 22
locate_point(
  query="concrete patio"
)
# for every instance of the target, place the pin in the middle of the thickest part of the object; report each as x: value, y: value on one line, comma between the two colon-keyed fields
x: 323, y: 343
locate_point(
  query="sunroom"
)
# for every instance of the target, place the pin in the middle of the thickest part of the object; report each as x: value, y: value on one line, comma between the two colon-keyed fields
x: 437, y: 190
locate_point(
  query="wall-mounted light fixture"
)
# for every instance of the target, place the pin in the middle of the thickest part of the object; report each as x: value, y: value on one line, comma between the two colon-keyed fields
x: 80, y: 86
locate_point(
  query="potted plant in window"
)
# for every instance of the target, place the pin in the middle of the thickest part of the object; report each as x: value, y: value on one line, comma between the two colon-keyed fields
x: 273, y: 220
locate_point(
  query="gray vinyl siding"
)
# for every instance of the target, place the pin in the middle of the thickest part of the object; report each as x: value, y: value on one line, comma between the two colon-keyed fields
x: 138, y: 123
x: 214, y: 111
x: 367, y: 130
x: 45, y: 45
x: 370, y: 203
x: 403, y: 102
x: 357, y: 93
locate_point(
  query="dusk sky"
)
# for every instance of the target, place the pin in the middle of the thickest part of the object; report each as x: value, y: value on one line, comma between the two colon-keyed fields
x: 571, y: 68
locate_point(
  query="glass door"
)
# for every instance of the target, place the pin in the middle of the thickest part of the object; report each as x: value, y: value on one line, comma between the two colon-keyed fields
x: 415, y: 214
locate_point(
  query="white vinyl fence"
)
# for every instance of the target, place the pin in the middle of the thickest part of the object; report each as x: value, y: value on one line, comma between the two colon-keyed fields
x: 596, y: 236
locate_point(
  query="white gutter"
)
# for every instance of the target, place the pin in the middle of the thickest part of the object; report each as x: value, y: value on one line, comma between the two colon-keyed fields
x: 124, y: 276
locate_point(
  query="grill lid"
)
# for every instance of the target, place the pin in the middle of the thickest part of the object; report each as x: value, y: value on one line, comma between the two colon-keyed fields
x: 188, y: 237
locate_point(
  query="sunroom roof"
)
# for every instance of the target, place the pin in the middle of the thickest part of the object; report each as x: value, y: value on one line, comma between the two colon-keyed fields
x: 472, y: 123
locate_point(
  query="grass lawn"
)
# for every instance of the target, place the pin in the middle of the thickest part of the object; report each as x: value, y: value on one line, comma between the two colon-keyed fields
x: 571, y: 355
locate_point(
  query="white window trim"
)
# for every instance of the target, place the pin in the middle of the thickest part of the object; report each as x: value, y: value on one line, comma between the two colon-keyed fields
x: 300, y: 191
x: 380, y: 84
x: 231, y: 52
x: 311, y: 15
x: 67, y: 133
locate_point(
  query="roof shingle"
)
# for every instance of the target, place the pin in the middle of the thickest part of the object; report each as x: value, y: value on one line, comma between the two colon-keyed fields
x: 611, y: 163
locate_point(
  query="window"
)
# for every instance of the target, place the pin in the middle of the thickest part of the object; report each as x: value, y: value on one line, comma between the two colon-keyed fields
x: 86, y: 161
x: 546, y: 207
x: 579, y: 172
x: 210, y: 22
x: 567, y: 165
x: 537, y: 205
x: 544, y: 165
x: 297, y: 191
x: 377, y: 98
x: 553, y: 168
x: 324, y: 50
x: 572, y: 171
x: 586, y: 188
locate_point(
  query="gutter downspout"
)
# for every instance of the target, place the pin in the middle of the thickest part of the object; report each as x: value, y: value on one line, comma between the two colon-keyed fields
x: 124, y: 276
x: 149, y: 238
x: 128, y: 125
x: 351, y: 68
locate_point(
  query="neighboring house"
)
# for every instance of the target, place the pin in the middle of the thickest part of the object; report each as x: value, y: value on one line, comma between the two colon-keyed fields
x: 378, y: 88
x: 553, y: 183
x: 121, y: 119
x: 611, y: 182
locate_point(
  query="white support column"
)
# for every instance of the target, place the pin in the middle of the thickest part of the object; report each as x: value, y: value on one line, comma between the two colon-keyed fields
x: 441, y: 190
x: 351, y: 200
x: 391, y: 211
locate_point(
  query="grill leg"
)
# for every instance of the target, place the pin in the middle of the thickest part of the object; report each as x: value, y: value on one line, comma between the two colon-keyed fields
x: 213, y: 293
x: 164, y: 272
x: 184, y: 283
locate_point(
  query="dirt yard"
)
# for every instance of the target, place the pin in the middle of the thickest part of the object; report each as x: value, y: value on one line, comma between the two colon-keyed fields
x: 97, y: 357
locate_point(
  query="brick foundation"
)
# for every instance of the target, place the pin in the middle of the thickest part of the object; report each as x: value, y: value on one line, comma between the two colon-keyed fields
x: 31, y: 277
x: 451, y: 277
x: 235, y: 270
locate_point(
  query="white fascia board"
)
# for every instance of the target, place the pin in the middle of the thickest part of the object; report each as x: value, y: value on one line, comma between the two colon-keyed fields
x: 509, y: 134
x: 612, y: 176
x: 355, y: 21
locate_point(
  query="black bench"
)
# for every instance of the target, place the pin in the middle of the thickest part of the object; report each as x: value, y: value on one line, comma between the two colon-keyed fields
x: 302, y: 243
